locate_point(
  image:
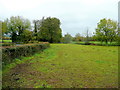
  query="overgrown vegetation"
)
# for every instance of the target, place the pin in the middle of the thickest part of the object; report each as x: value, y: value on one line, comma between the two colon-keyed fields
x: 10, y: 53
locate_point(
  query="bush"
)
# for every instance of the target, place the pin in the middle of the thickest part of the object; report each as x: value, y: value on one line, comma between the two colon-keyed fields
x: 10, y: 53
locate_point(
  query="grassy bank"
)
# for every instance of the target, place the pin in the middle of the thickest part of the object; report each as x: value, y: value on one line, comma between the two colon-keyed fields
x: 66, y: 66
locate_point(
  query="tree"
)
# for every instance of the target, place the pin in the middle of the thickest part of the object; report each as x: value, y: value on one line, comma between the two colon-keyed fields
x: 78, y: 37
x: 16, y: 27
x: 35, y: 29
x: 0, y: 29
x: 26, y: 36
x: 4, y: 27
x: 50, y: 30
x: 106, y: 30
x: 86, y: 38
x: 67, y: 38
x: 118, y: 35
x: 37, y: 25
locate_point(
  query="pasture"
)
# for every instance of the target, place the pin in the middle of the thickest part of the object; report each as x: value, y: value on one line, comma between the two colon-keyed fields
x: 65, y: 66
x: 6, y: 41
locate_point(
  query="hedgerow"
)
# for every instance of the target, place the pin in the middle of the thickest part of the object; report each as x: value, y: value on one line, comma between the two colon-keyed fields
x: 10, y: 53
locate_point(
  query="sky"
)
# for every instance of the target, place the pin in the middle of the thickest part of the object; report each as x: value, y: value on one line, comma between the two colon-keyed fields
x: 119, y: 13
x: 76, y: 16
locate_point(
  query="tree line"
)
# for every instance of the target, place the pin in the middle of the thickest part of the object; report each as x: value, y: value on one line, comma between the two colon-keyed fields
x: 48, y: 30
x: 107, y: 31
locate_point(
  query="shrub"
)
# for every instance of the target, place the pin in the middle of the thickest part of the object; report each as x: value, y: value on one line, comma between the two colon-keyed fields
x: 10, y: 53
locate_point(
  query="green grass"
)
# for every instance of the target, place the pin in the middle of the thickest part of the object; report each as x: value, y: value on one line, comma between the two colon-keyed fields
x: 6, y: 41
x: 66, y: 66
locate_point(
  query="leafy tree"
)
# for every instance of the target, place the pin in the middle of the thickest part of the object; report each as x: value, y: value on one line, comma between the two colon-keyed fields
x: 67, y: 38
x: 78, y: 37
x: 37, y: 25
x: 0, y: 29
x: 4, y: 27
x: 50, y: 30
x: 87, y: 38
x: 26, y: 36
x: 106, y: 30
x: 35, y: 28
x: 93, y: 38
x: 118, y: 35
x: 16, y: 26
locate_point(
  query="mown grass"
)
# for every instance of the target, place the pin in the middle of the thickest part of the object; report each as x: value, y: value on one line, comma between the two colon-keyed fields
x: 6, y: 41
x: 67, y: 66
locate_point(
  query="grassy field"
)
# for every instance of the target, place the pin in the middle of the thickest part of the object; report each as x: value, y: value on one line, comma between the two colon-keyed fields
x: 65, y: 66
x: 6, y: 41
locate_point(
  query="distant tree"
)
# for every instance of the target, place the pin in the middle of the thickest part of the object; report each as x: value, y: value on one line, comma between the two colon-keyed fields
x: 26, y: 36
x: 37, y: 25
x: 93, y: 38
x: 67, y: 38
x: 118, y: 35
x: 16, y: 27
x: 77, y: 37
x: 0, y: 29
x: 106, y: 30
x: 50, y: 30
x: 4, y: 27
x: 87, y: 37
